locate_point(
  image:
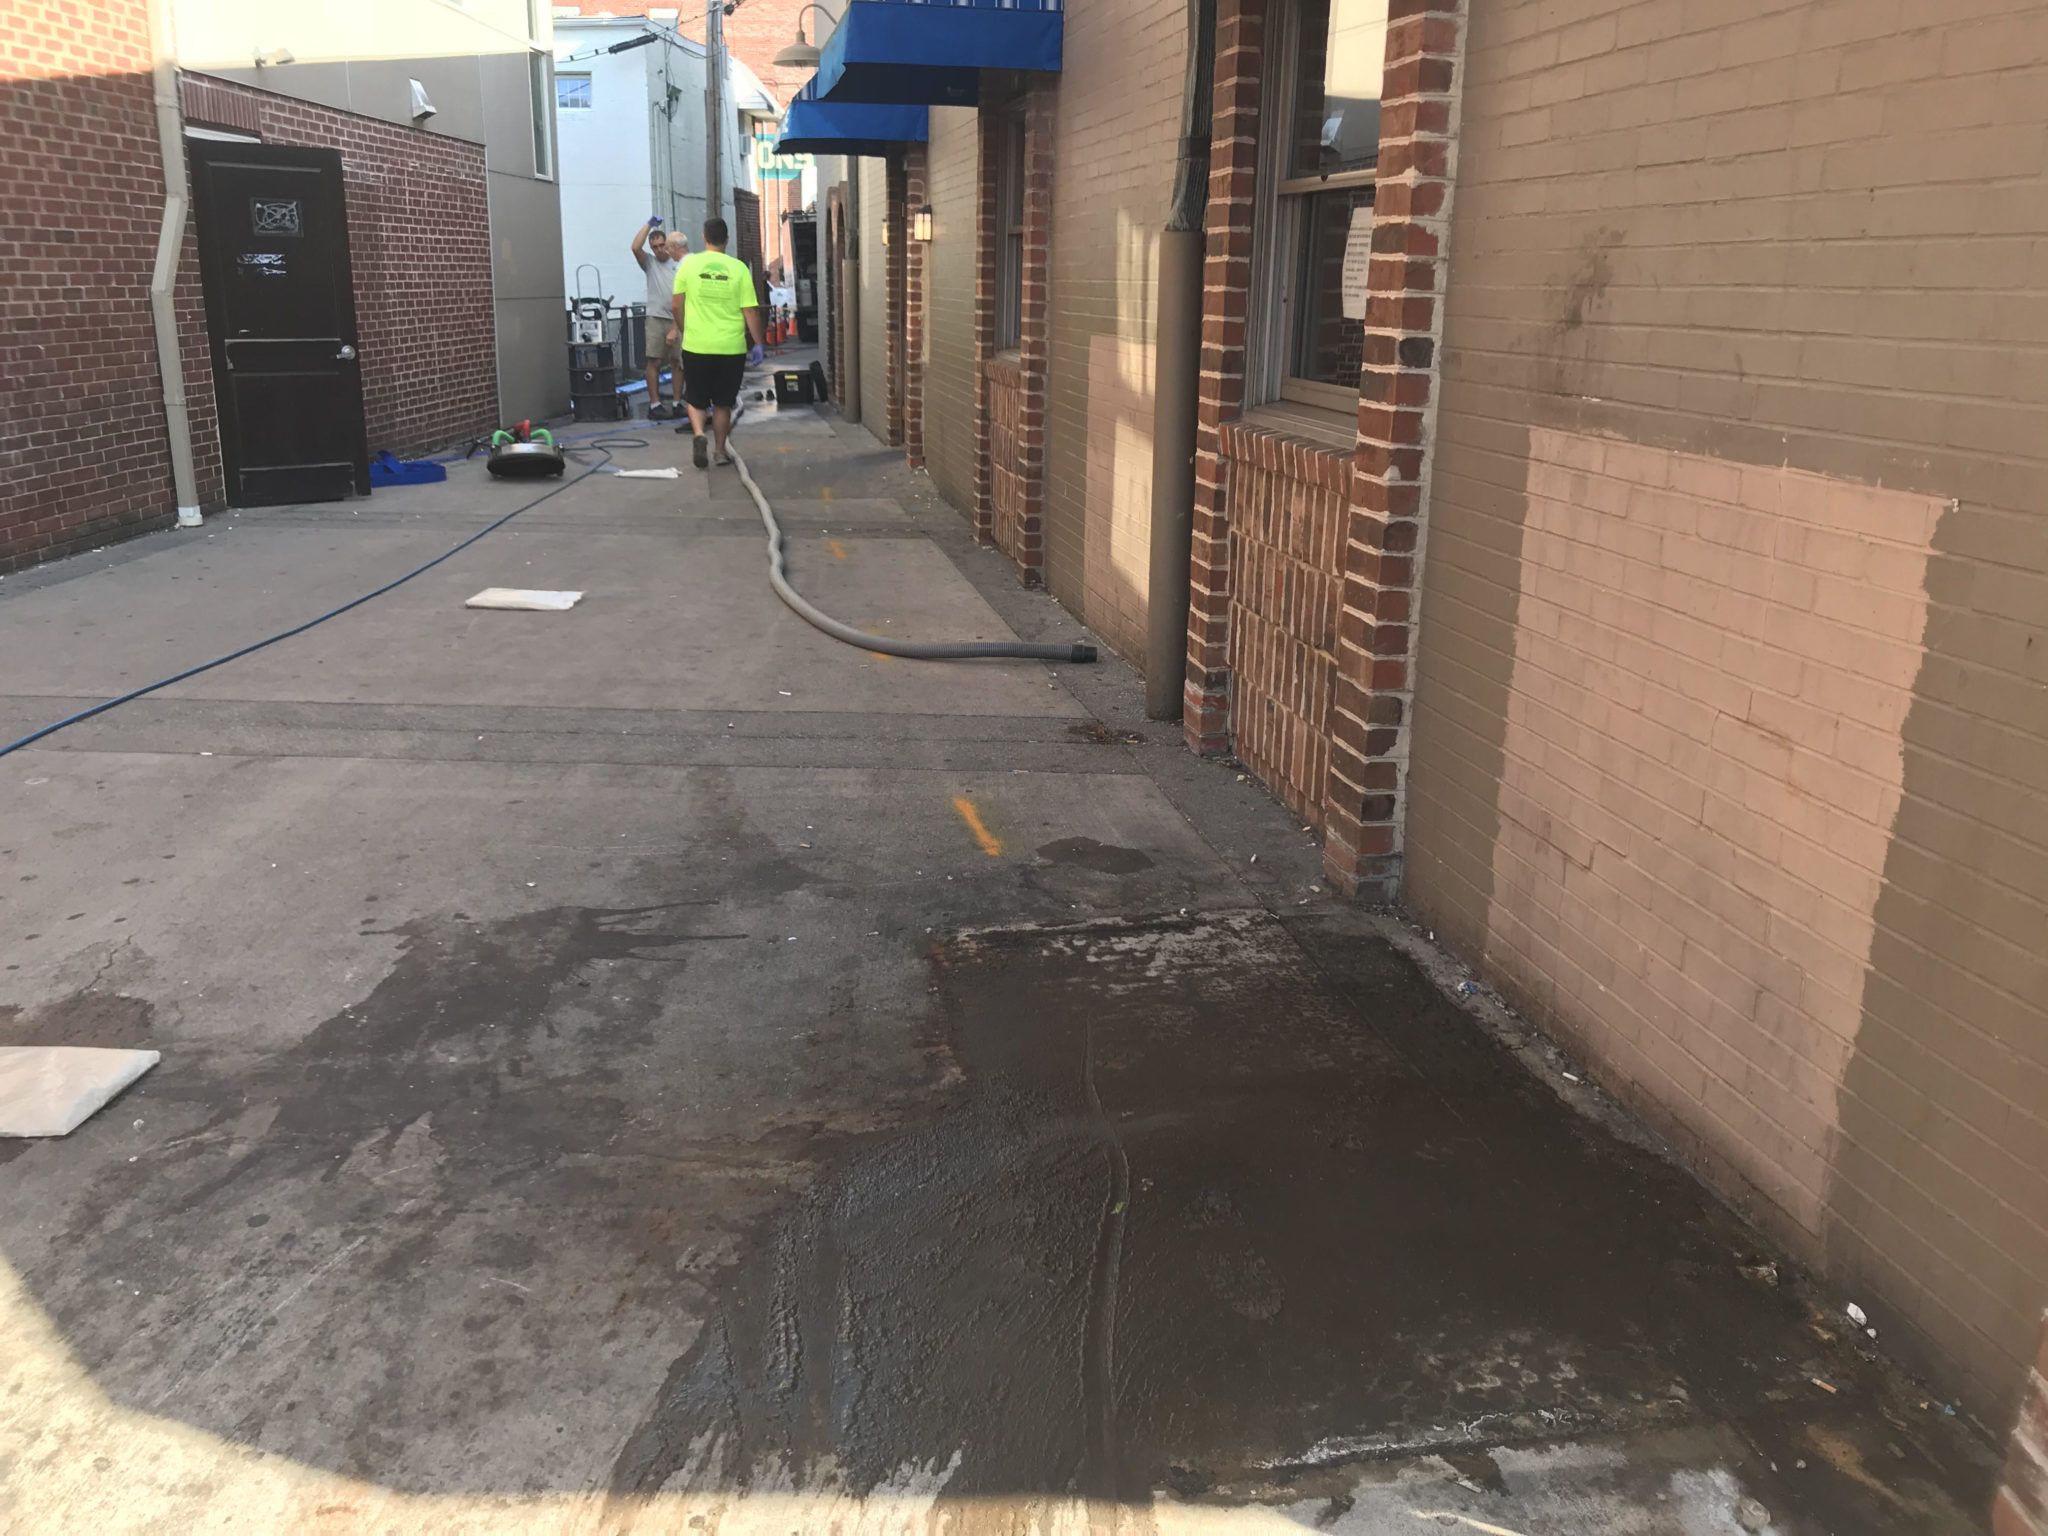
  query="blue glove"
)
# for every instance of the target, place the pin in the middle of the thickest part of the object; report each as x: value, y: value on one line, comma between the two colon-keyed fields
x: 757, y: 356
x: 655, y: 222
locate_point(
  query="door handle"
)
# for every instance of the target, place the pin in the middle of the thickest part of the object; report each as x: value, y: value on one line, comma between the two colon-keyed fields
x: 347, y: 354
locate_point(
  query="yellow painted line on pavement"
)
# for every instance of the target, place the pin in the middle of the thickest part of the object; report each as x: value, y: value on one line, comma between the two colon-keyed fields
x: 825, y: 492
x: 838, y: 549
x: 990, y: 843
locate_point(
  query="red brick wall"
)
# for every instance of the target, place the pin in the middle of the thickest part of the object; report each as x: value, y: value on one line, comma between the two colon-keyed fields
x: 419, y: 241
x: 917, y: 258
x: 83, y: 451
x: 1396, y: 417
x: 1287, y: 520
x: 1226, y: 283
x: 1011, y: 389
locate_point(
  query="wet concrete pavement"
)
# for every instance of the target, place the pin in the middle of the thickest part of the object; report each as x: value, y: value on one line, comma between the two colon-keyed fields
x: 651, y: 1068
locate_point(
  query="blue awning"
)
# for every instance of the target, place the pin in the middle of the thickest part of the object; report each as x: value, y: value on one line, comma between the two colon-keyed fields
x: 814, y: 127
x: 933, y: 51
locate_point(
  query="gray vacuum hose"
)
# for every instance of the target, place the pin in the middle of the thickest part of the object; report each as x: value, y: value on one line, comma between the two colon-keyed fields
x: 916, y: 650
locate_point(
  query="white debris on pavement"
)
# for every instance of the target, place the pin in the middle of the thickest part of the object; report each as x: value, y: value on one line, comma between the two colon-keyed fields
x: 51, y: 1090
x: 525, y: 600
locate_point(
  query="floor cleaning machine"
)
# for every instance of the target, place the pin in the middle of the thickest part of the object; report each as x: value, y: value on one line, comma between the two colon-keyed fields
x: 524, y: 452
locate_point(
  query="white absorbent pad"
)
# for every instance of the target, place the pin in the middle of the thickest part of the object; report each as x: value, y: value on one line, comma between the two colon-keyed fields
x: 669, y: 473
x: 518, y: 597
x: 51, y: 1090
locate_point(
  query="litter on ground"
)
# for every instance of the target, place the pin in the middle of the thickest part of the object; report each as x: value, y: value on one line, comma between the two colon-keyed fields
x: 668, y: 473
x: 51, y: 1090
x: 520, y: 598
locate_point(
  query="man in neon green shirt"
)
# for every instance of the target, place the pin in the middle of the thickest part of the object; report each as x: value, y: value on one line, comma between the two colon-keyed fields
x: 718, y: 314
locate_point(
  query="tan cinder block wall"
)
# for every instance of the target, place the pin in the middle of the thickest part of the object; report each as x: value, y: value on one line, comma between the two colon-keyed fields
x: 1731, y: 723
x: 874, y: 297
x: 949, y: 338
x: 1116, y: 136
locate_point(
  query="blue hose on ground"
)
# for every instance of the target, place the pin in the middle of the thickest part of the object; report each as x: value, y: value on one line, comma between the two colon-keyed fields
x: 601, y: 447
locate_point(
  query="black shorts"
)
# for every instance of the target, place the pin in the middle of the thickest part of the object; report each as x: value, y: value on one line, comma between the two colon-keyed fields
x: 713, y: 378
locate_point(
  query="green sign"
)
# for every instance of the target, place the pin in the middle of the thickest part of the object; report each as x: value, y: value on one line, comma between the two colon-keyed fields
x: 773, y: 167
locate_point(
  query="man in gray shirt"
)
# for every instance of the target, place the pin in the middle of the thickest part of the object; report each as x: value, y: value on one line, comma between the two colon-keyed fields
x: 659, y: 253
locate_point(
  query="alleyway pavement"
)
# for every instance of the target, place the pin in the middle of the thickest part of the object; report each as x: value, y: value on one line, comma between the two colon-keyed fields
x: 652, y: 1068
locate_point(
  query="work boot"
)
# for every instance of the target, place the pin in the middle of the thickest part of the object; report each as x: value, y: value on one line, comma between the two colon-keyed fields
x: 657, y: 412
x: 698, y: 450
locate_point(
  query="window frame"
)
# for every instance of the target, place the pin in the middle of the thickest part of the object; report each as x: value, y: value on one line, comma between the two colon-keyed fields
x: 1279, y: 214
x: 1009, y: 230
x: 589, y: 91
x: 540, y: 90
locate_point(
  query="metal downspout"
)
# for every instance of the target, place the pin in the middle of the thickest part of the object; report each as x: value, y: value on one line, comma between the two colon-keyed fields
x: 1177, y: 362
x: 170, y: 245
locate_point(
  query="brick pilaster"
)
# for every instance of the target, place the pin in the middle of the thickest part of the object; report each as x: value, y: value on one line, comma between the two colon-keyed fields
x: 1396, y: 421
x: 986, y: 236
x: 895, y: 269
x: 917, y: 261
x: 1034, y: 330
x: 1226, y: 286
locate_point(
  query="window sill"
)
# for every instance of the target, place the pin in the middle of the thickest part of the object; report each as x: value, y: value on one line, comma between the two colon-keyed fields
x: 1333, y: 429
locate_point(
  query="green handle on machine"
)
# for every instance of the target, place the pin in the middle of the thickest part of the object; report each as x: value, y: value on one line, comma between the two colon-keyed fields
x: 539, y: 435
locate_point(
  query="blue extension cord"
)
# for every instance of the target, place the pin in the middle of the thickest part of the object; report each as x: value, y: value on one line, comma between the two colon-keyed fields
x: 604, y: 448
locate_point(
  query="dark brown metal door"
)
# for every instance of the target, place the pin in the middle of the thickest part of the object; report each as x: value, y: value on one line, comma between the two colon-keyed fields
x: 281, y: 318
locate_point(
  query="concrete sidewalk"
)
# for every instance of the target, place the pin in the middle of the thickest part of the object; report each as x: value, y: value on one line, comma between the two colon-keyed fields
x: 654, y: 1068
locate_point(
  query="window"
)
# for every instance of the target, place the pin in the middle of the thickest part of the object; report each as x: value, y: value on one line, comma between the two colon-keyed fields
x: 1009, y: 232
x: 572, y: 93
x: 1316, y: 198
x: 543, y: 120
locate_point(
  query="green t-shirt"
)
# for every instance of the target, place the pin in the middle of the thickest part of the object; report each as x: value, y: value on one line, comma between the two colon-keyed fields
x: 715, y: 289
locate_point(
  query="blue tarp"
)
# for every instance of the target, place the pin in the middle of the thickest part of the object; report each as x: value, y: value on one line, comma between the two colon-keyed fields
x: 932, y: 52
x: 814, y: 127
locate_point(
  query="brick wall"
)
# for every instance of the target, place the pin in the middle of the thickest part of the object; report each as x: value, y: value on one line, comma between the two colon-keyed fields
x: 1226, y: 284
x: 83, y: 451
x: 1011, y: 521
x: 2022, y: 1506
x: 419, y: 244
x: 1727, y: 733
x: 916, y: 289
x: 1419, y: 109
x: 1288, y: 511
x: 951, y: 403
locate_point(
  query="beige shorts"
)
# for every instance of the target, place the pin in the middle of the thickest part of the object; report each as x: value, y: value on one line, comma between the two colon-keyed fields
x: 659, y: 348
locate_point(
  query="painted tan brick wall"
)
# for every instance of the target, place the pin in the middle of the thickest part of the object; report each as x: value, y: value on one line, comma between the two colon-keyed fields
x: 1116, y: 134
x: 949, y: 369
x: 1731, y: 722
x: 874, y: 299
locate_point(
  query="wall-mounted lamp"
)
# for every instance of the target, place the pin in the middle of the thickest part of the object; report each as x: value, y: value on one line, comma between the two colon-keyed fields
x: 801, y: 54
x: 274, y: 56
x: 921, y: 223
x: 422, y: 108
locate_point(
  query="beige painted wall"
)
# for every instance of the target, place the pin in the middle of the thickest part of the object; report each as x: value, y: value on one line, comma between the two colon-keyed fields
x: 1118, y: 129
x: 1731, y: 726
x: 874, y: 298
